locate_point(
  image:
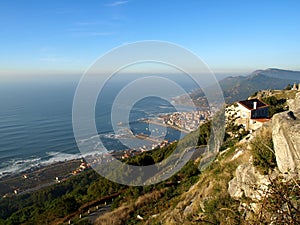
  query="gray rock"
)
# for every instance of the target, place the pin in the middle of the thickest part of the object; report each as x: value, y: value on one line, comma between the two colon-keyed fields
x: 286, y: 139
x: 249, y: 182
x: 294, y: 104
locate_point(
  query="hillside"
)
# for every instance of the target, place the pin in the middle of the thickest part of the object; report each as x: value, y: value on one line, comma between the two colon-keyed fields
x: 254, y: 180
x: 243, y: 184
x: 240, y: 87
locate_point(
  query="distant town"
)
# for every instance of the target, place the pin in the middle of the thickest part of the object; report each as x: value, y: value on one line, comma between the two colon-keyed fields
x: 183, y: 121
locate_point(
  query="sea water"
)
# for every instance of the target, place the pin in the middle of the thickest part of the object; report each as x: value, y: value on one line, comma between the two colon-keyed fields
x: 36, y: 122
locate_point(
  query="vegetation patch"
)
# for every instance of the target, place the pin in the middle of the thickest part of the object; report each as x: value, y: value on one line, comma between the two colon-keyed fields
x: 263, y: 152
x: 275, y: 105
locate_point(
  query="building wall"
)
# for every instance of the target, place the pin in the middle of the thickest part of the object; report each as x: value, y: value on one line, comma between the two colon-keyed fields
x: 254, y: 125
x: 243, y: 112
x: 244, y: 116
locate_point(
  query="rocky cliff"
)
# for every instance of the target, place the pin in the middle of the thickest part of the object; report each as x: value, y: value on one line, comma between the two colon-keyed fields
x: 236, y: 173
x: 247, y: 177
x: 294, y: 103
x: 286, y: 138
x: 250, y: 183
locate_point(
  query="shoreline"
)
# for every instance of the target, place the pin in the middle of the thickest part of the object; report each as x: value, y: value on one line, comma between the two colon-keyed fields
x: 43, y: 175
x: 149, y: 121
x: 37, y: 177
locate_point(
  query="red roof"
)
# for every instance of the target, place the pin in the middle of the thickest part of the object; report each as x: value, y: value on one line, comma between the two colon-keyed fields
x: 249, y: 104
x: 263, y: 120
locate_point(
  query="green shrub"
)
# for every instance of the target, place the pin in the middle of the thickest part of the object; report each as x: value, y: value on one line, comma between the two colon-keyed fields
x: 219, y: 209
x: 275, y: 105
x: 263, y: 152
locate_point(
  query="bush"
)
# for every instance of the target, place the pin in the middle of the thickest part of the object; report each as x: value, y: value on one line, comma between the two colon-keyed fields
x: 221, y: 210
x: 281, y: 203
x: 263, y: 152
x: 275, y: 105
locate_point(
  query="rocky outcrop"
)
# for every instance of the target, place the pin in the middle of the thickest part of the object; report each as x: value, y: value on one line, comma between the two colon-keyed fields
x: 285, y: 128
x: 248, y: 182
x: 294, y: 104
x: 286, y: 139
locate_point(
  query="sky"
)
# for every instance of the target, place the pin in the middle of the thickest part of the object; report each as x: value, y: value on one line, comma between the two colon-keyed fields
x: 67, y: 36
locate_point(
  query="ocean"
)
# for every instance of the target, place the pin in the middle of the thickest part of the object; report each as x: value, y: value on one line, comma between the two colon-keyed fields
x: 36, y: 122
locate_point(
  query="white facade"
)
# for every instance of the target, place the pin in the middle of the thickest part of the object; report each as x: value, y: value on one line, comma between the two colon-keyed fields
x: 250, y: 115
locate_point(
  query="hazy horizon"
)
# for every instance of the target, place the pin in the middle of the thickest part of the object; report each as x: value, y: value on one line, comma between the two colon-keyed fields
x: 232, y: 37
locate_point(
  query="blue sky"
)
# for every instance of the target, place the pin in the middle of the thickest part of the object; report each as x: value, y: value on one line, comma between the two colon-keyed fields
x: 64, y: 36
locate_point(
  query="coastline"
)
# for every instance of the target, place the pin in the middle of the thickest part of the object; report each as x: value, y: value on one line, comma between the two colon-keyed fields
x: 41, y: 176
x: 45, y: 175
x: 37, y: 177
x: 149, y: 121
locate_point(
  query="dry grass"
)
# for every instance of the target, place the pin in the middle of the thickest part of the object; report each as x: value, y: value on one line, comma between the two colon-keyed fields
x: 120, y: 215
x: 148, y: 198
x: 212, y: 184
x: 116, y: 217
x: 279, y: 94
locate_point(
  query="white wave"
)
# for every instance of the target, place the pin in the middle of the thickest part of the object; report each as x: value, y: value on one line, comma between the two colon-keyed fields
x: 18, y: 165
x: 121, y: 133
x: 89, y: 138
x: 60, y: 157
x: 164, y: 107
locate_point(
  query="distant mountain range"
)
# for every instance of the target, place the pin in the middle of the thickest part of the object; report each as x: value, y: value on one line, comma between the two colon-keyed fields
x: 240, y: 87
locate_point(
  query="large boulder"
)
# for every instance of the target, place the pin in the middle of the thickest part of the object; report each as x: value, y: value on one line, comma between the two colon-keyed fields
x: 294, y: 104
x: 248, y: 182
x: 286, y: 139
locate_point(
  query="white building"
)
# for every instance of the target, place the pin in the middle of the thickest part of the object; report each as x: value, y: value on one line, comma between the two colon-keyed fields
x: 252, y: 113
